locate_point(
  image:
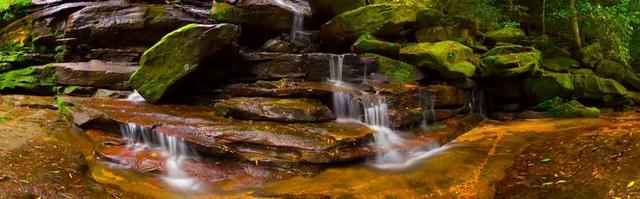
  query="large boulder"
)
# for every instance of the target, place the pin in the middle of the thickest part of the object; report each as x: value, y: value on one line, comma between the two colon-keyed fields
x: 508, y: 35
x: 377, y: 19
x: 262, y: 14
x: 579, y: 86
x: 368, y: 43
x: 126, y: 25
x: 178, y: 54
x: 590, y: 55
x: 444, y: 33
x: 399, y: 71
x: 274, y: 109
x: 611, y: 69
x: 560, y: 64
x: 451, y: 59
x: 558, y: 108
x: 510, y: 61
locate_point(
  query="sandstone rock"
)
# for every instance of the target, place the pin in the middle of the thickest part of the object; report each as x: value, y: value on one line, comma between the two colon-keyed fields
x: 509, y: 35
x: 376, y: 19
x: 249, y: 140
x: 369, y: 44
x: 590, y: 55
x: 611, y: 69
x: 510, y: 61
x: 450, y: 58
x: 109, y: 75
x: 558, y: 108
x: 399, y: 71
x: 284, y: 88
x: 178, y: 54
x: 126, y: 25
x: 578, y: 86
x: 262, y: 14
x: 274, y: 109
x: 560, y: 64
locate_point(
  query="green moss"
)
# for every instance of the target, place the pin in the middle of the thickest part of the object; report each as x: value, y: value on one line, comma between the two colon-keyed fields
x: 511, y: 65
x: 573, y: 109
x: 550, y: 85
x: 153, y: 12
x: 367, y: 43
x: 560, y: 64
x: 549, y: 104
x: 15, y: 57
x: 26, y: 78
x: 450, y: 58
x: 60, y: 53
x: 509, y: 35
x: 398, y: 70
x: 10, y: 8
x: 222, y: 11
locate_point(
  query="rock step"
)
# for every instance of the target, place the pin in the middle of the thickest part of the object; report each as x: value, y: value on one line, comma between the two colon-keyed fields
x: 273, y: 109
x: 95, y: 73
x: 285, y: 88
x: 210, y: 134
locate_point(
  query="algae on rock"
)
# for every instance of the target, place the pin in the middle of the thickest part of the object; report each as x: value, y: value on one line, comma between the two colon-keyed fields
x: 450, y: 58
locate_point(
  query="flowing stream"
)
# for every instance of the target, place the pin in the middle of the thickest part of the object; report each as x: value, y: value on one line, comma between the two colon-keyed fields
x: 298, y: 20
x: 174, y: 150
x: 395, y: 152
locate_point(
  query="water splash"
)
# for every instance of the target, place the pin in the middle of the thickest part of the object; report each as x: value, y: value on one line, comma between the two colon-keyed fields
x: 174, y: 150
x: 346, y: 107
x: 336, y: 65
x: 395, y: 151
x: 135, y: 97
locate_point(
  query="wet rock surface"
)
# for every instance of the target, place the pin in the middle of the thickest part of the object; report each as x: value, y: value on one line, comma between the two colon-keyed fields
x: 272, y: 109
x: 250, y: 140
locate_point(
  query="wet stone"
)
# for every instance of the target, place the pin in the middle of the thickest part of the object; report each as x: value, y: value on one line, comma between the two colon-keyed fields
x: 273, y: 109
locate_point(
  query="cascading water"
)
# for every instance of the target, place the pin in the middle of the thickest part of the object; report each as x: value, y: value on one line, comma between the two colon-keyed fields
x: 297, y: 25
x: 336, y: 64
x: 135, y: 97
x: 174, y: 150
x: 428, y: 104
x: 345, y: 105
x: 476, y: 105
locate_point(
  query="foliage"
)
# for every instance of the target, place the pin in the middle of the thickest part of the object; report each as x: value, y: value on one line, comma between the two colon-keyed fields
x: 10, y: 8
x: 485, y: 13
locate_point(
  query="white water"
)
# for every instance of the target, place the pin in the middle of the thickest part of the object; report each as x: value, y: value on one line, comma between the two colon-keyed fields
x: 476, y: 105
x: 393, y: 153
x: 428, y: 103
x: 135, y: 97
x: 174, y: 150
x: 298, y: 20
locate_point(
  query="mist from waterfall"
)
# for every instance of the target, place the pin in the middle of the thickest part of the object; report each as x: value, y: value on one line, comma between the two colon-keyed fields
x: 174, y: 150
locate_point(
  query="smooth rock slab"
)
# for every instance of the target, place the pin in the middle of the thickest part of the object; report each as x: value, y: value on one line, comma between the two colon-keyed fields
x: 210, y: 134
x: 285, y: 88
x: 273, y: 109
x: 95, y: 73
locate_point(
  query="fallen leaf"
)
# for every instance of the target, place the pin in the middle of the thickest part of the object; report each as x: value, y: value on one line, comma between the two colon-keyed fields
x: 545, y: 160
x: 631, y: 184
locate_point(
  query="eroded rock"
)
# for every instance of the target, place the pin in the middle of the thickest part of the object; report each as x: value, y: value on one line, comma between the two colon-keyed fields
x: 274, y: 109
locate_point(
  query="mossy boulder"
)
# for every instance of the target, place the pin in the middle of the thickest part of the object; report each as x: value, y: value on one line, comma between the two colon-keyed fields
x: 274, y: 109
x: 450, y: 58
x: 611, y: 69
x: 508, y: 49
x: 590, y: 55
x: 178, y: 54
x: 367, y: 43
x: 260, y: 14
x: 400, y: 71
x: 511, y: 64
x: 560, y: 64
x: 579, y: 86
x: 508, y: 35
x: 444, y: 33
x: 573, y: 109
x: 557, y: 107
x: 376, y: 19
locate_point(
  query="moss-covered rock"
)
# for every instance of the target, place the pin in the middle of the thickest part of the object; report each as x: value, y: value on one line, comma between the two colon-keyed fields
x: 590, y: 55
x: 450, y: 58
x: 274, y: 109
x: 511, y: 65
x: 443, y: 33
x: 560, y: 64
x: 269, y: 15
x: 509, y: 35
x: 376, y: 19
x: 572, y: 109
x: 549, y: 104
x: 508, y: 49
x: 398, y: 70
x: 611, y: 69
x: 33, y: 78
x: 579, y: 86
x: 550, y: 85
x: 178, y: 54
x: 367, y: 43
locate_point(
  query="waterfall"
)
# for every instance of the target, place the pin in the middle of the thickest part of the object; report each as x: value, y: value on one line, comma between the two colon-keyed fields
x: 345, y: 105
x: 428, y: 104
x: 336, y: 64
x: 135, y: 97
x: 298, y: 20
x: 476, y: 105
x: 395, y: 152
x: 174, y: 149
